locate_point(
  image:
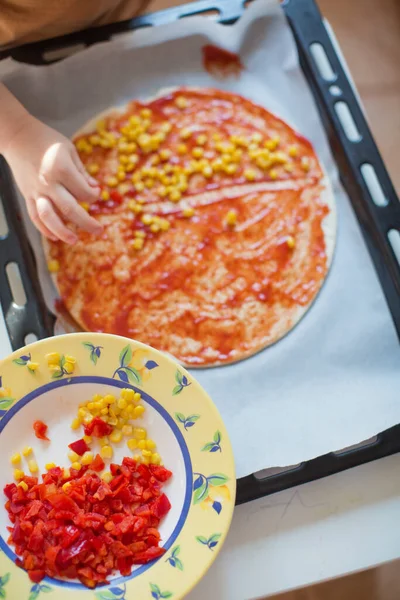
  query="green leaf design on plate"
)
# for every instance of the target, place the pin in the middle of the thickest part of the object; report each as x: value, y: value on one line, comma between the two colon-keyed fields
x: 201, y: 492
x: 177, y: 390
x: 208, y: 447
x: 202, y: 539
x: 178, y: 377
x: 125, y: 356
x: 217, y: 479
x: 20, y: 362
x: 217, y: 437
x: 180, y: 417
x: 5, y: 403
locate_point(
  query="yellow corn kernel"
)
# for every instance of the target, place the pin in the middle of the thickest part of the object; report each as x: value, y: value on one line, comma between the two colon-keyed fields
x: 91, y: 406
x: 207, y: 171
x: 230, y: 169
x: 175, y: 196
x: 105, y: 195
x: 87, y: 458
x: 155, y: 458
x: 150, y: 444
x: 82, y: 413
x: 69, y: 367
x: 49, y: 466
x: 138, y: 412
x: 181, y: 149
x: 141, y: 444
x: 147, y: 219
x: 104, y: 441
x: 290, y: 242
x: 23, y: 485
x: 185, y: 134
x: 137, y: 397
x: 127, y: 393
x: 201, y: 139
x: 146, y: 459
x: 27, y: 451
x: 66, y: 486
x: 137, y: 243
x: 305, y: 164
x: 85, y: 206
x: 231, y: 218
x: 181, y: 102
x: 104, y: 412
x: 197, y: 152
x: 116, y: 436
x: 147, y: 453
x: 106, y: 452
x: 165, y: 154
x: 93, y: 168
x: 122, y: 403
x: 273, y: 174
x: 53, y: 266
x: 107, y: 477
x: 76, y: 423
x: 18, y: 474
x: 16, y: 459
x: 292, y: 151
x: 33, y: 466
x: 139, y: 433
x: 132, y: 444
x: 97, y: 397
x: 112, y: 181
x: 164, y: 225
x: 66, y: 473
x: 76, y: 466
x: 250, y: 174
x: 127, y: 430
x: 88, y: 439
x: 112, y: 421
x: 73, y: 456
x: 154, y: 228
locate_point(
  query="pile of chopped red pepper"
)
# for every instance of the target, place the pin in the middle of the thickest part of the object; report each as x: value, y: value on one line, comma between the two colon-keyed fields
x: 83, y: 527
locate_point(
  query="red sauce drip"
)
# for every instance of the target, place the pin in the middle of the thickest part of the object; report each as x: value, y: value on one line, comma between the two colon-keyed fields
x: 220, y: 62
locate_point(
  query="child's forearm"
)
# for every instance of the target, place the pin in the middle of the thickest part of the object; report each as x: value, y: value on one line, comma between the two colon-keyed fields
x: 13, y: 117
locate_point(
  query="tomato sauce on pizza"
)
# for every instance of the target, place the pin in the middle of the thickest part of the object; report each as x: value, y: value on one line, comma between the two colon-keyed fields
x: 218, y: 227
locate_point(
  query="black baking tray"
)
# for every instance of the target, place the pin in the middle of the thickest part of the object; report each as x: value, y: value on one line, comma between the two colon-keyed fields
x: 375, y: 221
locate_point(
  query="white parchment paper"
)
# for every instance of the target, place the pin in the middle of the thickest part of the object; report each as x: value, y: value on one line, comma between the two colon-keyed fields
x: 335, y: 379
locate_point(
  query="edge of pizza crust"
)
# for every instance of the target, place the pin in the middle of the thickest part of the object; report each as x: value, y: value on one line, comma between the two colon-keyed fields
x: 329, y: 226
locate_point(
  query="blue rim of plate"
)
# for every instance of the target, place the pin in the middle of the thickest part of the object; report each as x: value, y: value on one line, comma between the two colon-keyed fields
x: 176, y: 431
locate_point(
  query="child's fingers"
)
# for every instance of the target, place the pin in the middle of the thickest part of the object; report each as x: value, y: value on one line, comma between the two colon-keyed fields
x: 33, y: 214
x: 52, y: 221
x: 78, y: 163
x: 72, y: 211
x: 77, y: 185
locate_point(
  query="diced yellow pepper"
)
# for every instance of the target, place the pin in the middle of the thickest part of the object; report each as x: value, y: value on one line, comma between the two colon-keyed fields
x: 16, y: 459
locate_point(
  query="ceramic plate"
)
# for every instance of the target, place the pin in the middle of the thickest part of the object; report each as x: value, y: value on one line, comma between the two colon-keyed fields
x: 180, y: 417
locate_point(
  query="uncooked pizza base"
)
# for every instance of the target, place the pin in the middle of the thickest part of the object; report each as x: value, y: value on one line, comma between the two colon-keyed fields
x: 284, y: 325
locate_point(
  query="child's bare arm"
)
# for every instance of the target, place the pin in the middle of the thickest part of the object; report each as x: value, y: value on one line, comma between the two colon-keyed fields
x: 48, y: 172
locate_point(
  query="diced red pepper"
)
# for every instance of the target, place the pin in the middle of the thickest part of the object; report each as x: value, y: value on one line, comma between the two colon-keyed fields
x: 40, y: 429
x: 80, y: 447
x: 92, y: 528
x: 98, y: 463
x: 98, y: 428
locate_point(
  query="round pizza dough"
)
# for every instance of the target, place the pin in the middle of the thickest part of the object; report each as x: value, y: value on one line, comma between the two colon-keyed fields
x: 209, y: 316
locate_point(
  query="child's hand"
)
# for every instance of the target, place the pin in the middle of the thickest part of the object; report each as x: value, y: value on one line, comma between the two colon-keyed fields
x: 52, y: 180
